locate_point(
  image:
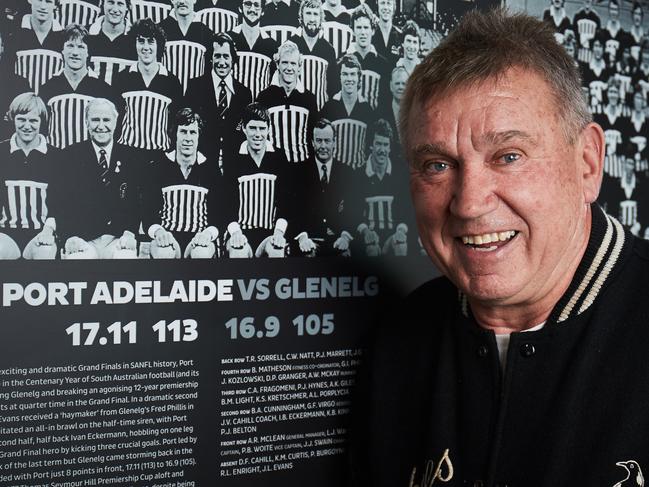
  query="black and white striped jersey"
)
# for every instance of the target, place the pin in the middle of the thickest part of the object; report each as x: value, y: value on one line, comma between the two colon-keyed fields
x: 260, y: 193
x: 185, y: 53
x: 146, y: 110
x: 34, y: 60
x: 255, y: 65
x: 292, y: 119
x: 183, y: 204
x: 66, y: 106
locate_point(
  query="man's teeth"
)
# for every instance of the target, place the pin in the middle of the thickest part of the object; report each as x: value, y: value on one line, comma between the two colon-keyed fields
x: 488, y: 238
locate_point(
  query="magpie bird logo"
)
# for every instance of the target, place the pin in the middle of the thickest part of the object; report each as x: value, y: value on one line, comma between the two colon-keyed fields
x: 634, y: 477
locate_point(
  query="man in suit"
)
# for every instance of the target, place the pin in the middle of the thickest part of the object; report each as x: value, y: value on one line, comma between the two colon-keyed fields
x: 327, y: 186
x: 219, y: 99
x: 101, y: 219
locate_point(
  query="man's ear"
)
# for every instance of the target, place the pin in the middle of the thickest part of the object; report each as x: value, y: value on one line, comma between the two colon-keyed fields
x: 593, y: 150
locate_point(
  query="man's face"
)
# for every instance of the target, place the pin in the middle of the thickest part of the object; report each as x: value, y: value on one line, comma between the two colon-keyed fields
x: 101, y: 122
x: 613, y: 95
x: 256, y: 132
x: 115, y: 11
x: 598, y: 50
x: 187, y: 139
x: 398, y: 84
x: 311, y: 20
x: 613, y: 11
x: 492, y: 160
x: 75, y: 54
x: 363, y: 32
x: 222, y: 59
x: 251, y: 11
x: 410, y: 47
x: 28, y: 126
x: 147, y: 50
x: 43, y: 10
x: 380, y: 149
x: 183, y: 8
x: 637, y: 16
x: 288, y: 66
x: 557, y: 3
x: 588, y: 4
x: 323, y: 143
x: 386, y: 10
x: 638, y: 101
x: 349, y: 79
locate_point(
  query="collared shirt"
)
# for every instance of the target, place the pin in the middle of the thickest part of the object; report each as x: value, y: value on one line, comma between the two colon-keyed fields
x: 41, y: 147
x: 353, y: 49
x: 26, y: 23
x: 161, y: 69
x: 299, y: 86
x: 229, y: 85
x: 108, y: 149
x: 327, y: 164
x: 369, y: 168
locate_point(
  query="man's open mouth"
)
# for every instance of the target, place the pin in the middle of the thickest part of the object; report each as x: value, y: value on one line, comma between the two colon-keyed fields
x: 488, y: 241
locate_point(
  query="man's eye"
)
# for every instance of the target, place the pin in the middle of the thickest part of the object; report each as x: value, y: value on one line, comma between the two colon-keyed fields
x: 435, y: 167
x: 509, y: 157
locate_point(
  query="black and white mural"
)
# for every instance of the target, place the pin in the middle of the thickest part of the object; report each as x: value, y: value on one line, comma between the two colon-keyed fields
x: 208, y: 128
x: 609, y: 40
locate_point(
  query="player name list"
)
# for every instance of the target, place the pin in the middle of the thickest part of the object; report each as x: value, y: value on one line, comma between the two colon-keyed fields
x: 121, y: 423
x: 278, y: 410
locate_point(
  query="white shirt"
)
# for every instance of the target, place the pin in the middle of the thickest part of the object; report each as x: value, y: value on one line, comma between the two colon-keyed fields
x: 229, y: 86
x: 108, y: 149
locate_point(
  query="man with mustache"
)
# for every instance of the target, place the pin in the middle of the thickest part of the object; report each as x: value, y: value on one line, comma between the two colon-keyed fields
x: 382, y: 227
x: 255, y: 48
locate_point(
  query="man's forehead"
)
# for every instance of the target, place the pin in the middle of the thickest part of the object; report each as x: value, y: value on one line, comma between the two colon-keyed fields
x: 510, y: 104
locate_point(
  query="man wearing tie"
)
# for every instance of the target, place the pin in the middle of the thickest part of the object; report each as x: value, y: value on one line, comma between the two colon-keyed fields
x: 102, y: 217
x: 220, y: 100
x: 327, y: 185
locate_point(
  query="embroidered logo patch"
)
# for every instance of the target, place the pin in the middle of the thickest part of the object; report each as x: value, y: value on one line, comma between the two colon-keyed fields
x: 442, y: 471
x: 634, y: 477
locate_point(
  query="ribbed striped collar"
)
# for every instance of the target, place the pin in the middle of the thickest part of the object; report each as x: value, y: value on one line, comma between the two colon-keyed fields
x: 605, y: 246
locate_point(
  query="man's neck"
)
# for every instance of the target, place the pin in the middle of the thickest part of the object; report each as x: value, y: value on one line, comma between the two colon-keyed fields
x: 385, y: 27
x: 250, y: 32
x: 349, y: 100
x: 288, y: 88
x: 41, y: 27
x: 310, y: 41
x: 75, y: 76
x: 504, y: 318
x: 113, y: 30
x: 148, y: 70
x: 185, y: 162
x: 258, y: 155
x: 184, y: 21
x: 27, y: 148
x: 363, y: 51
x: 379, y: 169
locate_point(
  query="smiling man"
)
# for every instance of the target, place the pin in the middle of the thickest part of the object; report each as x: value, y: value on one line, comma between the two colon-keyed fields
x: 525, y: 365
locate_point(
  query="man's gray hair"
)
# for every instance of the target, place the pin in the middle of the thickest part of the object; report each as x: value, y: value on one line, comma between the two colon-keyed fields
x: 288, y: 47
x: 487, y: 44
x: 98, y: 102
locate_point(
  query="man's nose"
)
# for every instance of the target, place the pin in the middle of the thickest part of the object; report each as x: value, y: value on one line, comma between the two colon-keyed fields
x: 474, y: 191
